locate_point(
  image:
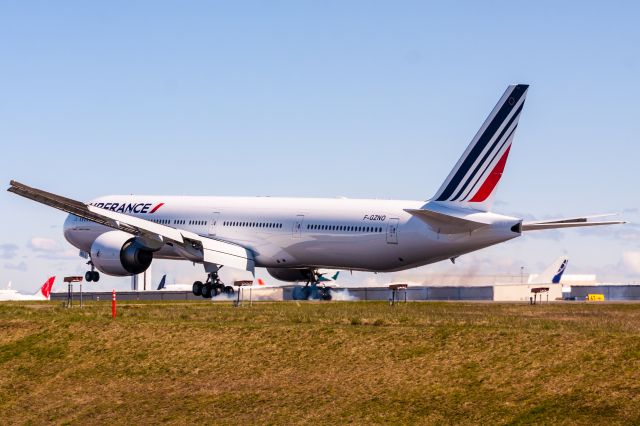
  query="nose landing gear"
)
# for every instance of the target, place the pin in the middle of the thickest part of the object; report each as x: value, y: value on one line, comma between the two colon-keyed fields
x: 91, y: 275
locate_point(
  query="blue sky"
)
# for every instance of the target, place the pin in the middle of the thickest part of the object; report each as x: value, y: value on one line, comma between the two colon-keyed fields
x: 356, y: 99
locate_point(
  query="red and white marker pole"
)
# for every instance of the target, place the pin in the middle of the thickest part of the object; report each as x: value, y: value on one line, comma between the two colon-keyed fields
x: 113, y: 304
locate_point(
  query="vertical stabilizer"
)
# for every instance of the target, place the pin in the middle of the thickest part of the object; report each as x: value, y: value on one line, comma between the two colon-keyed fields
x: 45, y: 290
x: 553, y: 274
x: 161, y: 285
x: 473, y: 180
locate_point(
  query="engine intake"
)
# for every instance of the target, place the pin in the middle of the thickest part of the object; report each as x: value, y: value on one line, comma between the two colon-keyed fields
x: 120, y: 254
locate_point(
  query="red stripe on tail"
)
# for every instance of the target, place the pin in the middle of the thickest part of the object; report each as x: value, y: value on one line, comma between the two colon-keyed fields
x: 46, y: 287
x: 492, y: 180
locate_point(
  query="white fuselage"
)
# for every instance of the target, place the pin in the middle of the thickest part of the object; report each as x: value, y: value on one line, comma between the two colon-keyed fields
x: 368, y: 235
x: 9, y: 295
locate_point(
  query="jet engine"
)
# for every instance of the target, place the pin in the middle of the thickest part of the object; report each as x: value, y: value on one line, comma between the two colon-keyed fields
x: 290, y: 274
x: 120, y: 254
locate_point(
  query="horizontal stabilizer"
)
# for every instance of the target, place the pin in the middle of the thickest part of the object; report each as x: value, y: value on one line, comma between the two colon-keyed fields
x: 573, y: 222
x: 445, y: 223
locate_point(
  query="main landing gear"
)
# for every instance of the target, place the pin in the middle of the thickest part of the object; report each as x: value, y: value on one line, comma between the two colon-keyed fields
x: 315, y: 289
x: 212, y: 287
x: 92, y: 275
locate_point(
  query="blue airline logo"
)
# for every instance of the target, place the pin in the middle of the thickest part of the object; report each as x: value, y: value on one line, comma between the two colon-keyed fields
x: 129, y: 207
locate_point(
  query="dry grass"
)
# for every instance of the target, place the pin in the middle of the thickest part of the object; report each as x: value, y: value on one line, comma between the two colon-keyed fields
x: 327, y: 363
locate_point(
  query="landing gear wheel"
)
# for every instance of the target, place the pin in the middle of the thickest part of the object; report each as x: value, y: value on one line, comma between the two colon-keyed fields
x: 95, y: 276
x: 206, y: 291
x: 217, y: 289
x: 212, y: 287
x: 305, y: 293
x: 197, y: 288
x: 325, y: 294
x: 88, y: 276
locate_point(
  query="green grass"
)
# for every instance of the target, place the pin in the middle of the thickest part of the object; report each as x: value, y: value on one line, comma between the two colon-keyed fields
x: 327, y: 363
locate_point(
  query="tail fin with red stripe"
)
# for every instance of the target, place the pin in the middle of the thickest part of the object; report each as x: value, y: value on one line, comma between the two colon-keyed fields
x: 473, y: 180
x: 45, y: 290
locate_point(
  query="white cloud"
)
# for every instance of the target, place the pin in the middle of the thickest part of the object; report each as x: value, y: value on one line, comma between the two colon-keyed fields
x: 629, y: 232
x: 631, y: 260
x: 60, y: 255
x: 48, y: 245
x: 48, y: 248
x: 22, y: 266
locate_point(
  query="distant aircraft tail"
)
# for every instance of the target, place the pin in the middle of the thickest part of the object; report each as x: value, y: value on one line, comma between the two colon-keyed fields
x: 472, y: 181
x: 45, y: 290
x: 323, y: 272
x: 553, y: 274
x: 162, y: 282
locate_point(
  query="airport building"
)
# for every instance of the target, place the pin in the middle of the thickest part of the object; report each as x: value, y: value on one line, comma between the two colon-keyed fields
x: 573, y: 287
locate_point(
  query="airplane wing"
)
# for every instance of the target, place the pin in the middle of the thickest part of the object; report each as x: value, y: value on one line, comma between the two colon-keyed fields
x: 569, y: 223
x: 154, y: 235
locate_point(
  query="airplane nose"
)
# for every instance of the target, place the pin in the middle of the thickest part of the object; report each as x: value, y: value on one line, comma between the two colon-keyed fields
x: 68, y: 226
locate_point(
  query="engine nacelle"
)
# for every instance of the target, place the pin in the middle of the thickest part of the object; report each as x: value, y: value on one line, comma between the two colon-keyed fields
x: 290, y: 274
x: 118, y: 253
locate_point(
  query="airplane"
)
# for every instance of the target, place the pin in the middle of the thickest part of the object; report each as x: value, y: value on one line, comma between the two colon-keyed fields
x: 162, y: 285
x: 316, y: 276
x: 318, y: 285
x: 551, y: 275
x: 44, y: 293
x: 294, y: 237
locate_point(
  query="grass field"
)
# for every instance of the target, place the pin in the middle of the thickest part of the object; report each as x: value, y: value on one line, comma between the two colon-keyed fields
x: 327, y: 363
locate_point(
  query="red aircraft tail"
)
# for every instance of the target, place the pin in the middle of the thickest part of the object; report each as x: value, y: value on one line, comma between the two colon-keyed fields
x: 45, y: 290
